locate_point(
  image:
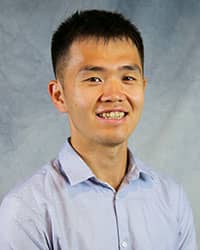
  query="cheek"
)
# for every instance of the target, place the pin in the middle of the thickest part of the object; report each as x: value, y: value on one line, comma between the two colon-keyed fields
x: 137, y: 98
x: 80, y: 101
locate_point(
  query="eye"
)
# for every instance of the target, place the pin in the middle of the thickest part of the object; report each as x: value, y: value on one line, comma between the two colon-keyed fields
x: 94, y: 79
x: 129, y: 78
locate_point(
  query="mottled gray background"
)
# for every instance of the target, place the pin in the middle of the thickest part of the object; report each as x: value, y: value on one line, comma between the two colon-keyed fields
x: 32, y: 131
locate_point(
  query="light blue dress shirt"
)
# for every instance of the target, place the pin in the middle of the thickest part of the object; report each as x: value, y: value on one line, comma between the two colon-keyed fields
x: 64, y: 206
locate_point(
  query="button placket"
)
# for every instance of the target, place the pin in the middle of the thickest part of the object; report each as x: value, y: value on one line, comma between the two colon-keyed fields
x: 122, y: 221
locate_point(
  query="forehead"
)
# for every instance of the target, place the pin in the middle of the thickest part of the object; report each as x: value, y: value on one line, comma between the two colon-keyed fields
x: 98, y: 52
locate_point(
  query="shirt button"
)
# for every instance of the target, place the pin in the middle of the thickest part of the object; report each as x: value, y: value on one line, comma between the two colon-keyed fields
x: 124, y: 244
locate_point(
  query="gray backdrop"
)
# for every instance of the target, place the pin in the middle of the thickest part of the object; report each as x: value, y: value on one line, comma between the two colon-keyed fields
x: 32, y: 131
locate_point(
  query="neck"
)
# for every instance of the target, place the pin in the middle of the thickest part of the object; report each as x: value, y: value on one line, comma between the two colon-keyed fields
x: 108, y: 163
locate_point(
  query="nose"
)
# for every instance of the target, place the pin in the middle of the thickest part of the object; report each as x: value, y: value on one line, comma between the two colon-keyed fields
x: 112, y: 91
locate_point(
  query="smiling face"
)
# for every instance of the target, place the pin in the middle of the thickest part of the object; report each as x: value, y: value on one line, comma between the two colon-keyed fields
x: 103, y: 91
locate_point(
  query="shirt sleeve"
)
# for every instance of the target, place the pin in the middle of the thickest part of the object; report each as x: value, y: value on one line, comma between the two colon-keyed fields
x: 21, y: 226
x: 187, y: 235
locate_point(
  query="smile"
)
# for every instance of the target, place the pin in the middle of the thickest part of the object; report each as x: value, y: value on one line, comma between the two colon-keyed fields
x: 113, y: 115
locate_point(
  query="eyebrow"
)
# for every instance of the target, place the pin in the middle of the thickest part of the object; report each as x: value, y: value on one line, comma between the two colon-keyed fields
x: 131, y: 67
x: 93, y: 68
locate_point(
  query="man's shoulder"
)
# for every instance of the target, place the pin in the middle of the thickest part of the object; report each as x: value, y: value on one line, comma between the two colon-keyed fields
x: 23, y: 211
x: 35, y: 191
x: 164, y: 185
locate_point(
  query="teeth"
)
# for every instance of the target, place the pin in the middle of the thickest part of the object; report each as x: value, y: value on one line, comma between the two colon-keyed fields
x: 112, y: 115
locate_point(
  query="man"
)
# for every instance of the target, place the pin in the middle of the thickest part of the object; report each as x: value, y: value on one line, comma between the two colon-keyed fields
x: 95, y: 195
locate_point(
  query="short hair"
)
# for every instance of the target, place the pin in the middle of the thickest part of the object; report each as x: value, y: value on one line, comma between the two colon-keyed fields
x: 99, y: 24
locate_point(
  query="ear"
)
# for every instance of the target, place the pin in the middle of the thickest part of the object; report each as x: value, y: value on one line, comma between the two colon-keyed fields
x: 56, y: 93
x: 144, y: 83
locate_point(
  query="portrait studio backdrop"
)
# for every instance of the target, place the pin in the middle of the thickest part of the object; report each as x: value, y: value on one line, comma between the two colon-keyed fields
x: 32, y: 131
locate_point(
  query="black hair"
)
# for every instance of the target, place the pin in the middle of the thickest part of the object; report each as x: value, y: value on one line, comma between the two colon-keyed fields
x: 96, y: 24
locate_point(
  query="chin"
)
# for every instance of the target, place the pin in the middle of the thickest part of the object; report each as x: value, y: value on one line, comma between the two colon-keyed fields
x: 112, y: 141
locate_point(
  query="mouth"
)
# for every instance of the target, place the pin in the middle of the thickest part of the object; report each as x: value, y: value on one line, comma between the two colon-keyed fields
x: 112, y: 115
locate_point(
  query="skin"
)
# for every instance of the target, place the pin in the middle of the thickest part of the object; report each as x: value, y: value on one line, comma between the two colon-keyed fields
x: 99, y: 77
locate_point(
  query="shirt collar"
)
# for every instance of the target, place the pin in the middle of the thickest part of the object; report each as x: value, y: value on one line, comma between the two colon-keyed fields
x: 137, y: 169
x: 73, y: 165
x: 76, y: 170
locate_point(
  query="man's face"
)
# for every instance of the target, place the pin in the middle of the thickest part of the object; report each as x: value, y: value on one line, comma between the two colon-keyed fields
x: 103, y: 91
